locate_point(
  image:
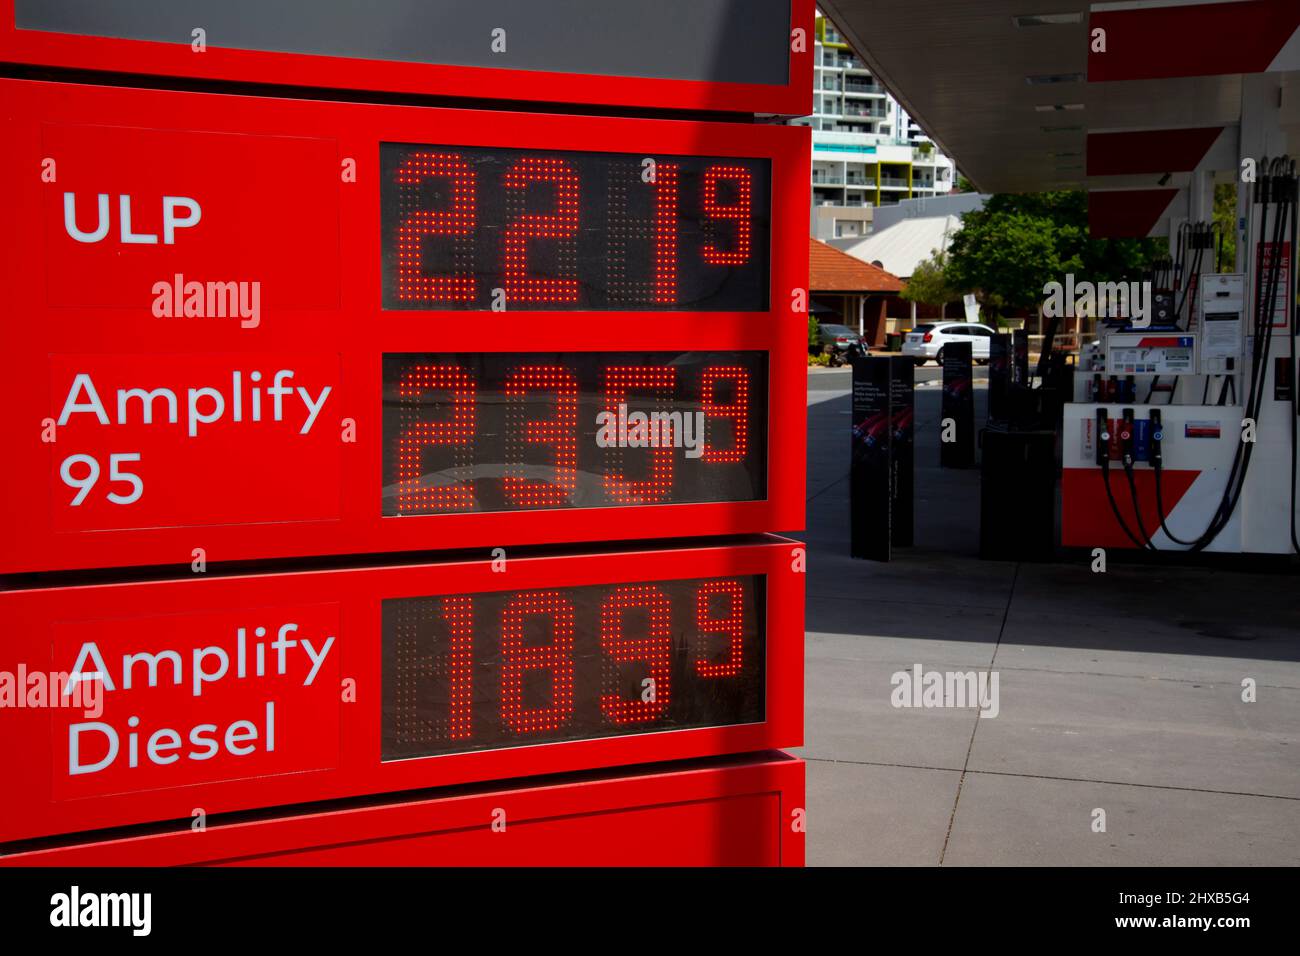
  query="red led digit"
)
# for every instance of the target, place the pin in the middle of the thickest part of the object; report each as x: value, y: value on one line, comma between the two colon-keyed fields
x: 457, y: 221
x: 562, y: 225
x: 620, y: 381
x: 738, y: 212
x: 732, y: 626
x: 518, y: 658
x: 561, y: 431
x: 457, y: 431
x: 665, y: 234
x: 655, y: 650
x: 736, y: 410
x: 657, y: 233
x: 458, y: 612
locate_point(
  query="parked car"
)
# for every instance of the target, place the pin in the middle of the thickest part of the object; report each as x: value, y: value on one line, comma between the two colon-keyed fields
x: 838, y: 341
x: 926, y: 342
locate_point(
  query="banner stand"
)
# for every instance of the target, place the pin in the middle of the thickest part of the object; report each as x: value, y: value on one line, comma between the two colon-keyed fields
x: 957, y: 427
x: 882, y: 470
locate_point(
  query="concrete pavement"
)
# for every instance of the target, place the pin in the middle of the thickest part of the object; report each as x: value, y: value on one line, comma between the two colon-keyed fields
x: 1118, y: 692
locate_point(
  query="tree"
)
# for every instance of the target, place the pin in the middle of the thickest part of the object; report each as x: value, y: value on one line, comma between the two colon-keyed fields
x: 1225, y: 214
x: 929, y: 283
x: 1004, y: 257
x: 1007, y: 251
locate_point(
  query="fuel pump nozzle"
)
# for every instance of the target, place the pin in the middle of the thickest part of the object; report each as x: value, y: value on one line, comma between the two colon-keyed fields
x: 1156, y: 454
x: 1126, y: 430
x: 1104, y: 441
x: 1126, y: 439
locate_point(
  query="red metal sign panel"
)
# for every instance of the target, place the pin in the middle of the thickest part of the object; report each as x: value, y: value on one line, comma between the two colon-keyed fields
x: 524, y: 51
x: 247, y: 328
x: 729, y: 813
x: 138, y: 702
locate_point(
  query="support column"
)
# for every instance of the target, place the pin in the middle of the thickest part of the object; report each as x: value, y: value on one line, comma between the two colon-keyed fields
x: 1261, y: 136
x: 1264, y: 510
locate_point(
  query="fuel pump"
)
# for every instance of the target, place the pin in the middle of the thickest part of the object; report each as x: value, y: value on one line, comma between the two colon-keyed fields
x: 1212, y: 466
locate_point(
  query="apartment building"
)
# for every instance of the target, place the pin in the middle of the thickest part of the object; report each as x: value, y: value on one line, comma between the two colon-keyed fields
x: 867, y: 152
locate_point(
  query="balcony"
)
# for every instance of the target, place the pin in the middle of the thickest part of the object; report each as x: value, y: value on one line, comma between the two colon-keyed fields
x: 841, y: 62
x: 868, y: 114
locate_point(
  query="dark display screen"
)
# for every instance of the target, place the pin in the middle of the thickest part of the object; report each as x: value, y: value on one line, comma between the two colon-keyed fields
x: 515, y: 668
x: 722, y: 41
x: 503, y: 431
x: 500, y: 229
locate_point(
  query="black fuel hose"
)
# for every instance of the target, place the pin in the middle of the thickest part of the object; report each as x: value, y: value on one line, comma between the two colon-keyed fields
x: 1114, y: 507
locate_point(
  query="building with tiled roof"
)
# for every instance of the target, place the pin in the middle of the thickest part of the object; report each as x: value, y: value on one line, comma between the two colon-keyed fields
x: 849, y: 291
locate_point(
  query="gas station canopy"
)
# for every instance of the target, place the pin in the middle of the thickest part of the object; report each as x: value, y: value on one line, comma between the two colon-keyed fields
x: 1028, y: 96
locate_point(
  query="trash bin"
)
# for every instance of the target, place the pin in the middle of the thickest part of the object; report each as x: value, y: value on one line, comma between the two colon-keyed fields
x: 1017, y: 495
x: 894, y: 342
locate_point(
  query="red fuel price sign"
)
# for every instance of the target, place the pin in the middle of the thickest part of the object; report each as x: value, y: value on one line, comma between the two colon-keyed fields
x: 270, y: 328
x: 140, y: 702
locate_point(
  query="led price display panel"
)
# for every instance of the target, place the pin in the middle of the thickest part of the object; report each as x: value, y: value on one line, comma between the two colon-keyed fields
x: 509, y: 432
x: 467, y: 672
x: 463, y: 227
x: 262, y: 690
x: 210, y: 365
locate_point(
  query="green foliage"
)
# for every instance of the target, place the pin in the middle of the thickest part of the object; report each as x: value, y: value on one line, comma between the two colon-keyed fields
x: 814, y: 327
x: 821, y: 359
x: 1005, y: 257
x: 1225, y: 214
x: 1007, y: 251
x: 929, y: 283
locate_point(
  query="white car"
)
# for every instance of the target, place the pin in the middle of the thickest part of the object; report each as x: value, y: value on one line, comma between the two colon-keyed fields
x: 926, y: 342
